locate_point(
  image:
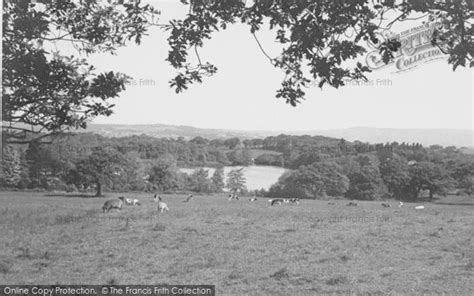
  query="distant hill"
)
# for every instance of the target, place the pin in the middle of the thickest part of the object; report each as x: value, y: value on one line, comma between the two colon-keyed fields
x: 443, y: 137
x: 427, y: 137
x: 171, y: 131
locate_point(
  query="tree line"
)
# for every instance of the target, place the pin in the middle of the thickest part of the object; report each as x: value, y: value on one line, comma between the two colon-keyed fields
x: 318, y: 167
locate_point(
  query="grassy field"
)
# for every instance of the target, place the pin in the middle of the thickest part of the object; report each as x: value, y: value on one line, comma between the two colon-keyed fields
x: 241, y: 247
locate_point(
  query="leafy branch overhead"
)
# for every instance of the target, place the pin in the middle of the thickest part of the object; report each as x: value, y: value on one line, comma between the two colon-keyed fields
x: 45, y: 92
x: 321, y: 40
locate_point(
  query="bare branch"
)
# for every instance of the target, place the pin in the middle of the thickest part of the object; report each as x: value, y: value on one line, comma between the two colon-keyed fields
x: 263, y: 51
x: 197, y: 55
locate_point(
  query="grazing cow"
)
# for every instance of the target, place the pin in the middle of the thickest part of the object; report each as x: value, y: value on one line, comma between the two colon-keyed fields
x: 277, y: 201
x: 295, y: 201
x: 126, y: 201
x: 113, y: 204
x: 130, y: 201
x: 252, y: 199
x: 233, y: 196
x: 420, y: 208
x: 400, y: 205
x: 161, y: 205
x: 351, y: 204
x: 385, y: 205
x: 189, y: 198
x: 286, y: 201
x: 331, y: 203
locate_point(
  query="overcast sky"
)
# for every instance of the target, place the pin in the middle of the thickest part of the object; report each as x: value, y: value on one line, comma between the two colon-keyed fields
x: 242, y: 93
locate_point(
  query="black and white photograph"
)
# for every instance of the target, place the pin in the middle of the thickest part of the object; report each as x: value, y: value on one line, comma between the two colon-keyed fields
x: 237, y: 147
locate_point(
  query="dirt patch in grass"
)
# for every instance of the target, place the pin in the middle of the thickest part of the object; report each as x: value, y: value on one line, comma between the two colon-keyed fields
x: 159, y: 227
x: 338, y: 280
x: 280, y: 274
x: 5, y: 266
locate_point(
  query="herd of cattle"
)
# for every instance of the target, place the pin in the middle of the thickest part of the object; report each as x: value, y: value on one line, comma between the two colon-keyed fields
x: 163, y: 207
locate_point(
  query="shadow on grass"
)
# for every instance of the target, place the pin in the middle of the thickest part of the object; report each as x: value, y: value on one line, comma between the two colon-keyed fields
x: 80, y: 195
x: 454, y: 203
x: 464, y: 200
x: 447, y: 201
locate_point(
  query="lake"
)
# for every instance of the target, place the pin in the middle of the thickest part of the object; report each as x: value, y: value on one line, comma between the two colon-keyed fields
x: 257, y: 177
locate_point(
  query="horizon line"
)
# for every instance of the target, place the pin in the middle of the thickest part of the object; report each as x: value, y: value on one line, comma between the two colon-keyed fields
x: 281, y: 130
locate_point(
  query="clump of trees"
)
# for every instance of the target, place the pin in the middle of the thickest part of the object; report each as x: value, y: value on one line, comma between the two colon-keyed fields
x: 318, y: 167
x: 317, y: 180
x: 236, y: 181
x: 164, y: 176
x: 218, y: 179
x: 103, y: 167
x: 405, y: 172
x: 365, y: 179
x: 12, y: 167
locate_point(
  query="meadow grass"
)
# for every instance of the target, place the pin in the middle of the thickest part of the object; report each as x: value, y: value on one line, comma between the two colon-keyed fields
x: 243, y: 248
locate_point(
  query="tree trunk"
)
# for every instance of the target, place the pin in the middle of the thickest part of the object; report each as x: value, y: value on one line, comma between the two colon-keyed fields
x: 99, y: 189
x: 416, y: 193
x: 413, y: 194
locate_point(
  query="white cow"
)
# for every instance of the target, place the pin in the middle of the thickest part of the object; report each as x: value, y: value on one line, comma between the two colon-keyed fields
x: 162, y: 207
